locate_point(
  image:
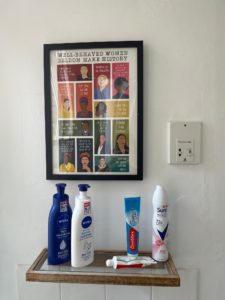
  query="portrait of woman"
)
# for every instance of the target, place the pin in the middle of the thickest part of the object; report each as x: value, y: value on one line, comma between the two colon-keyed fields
x: 85, y: 162
x: 102, y: 166
x: 102, y: 91
x: 101, y: 110
x: 67, y: 165
x: 121, y: 86
x: 121, y: 146
x: 102, y: 146
x: 84, y: 112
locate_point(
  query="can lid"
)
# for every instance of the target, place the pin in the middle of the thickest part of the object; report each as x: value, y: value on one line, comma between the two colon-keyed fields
x: 83, y: 187
x: 109, y: 263
x: 159, y: 187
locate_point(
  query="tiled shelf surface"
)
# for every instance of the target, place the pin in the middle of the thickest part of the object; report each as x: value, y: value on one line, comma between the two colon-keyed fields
x: 160, y: 274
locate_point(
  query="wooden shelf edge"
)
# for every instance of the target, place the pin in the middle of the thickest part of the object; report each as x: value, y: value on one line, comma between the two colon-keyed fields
x: 38, y: 261
x: 103, y: 279
x: 34, y: 275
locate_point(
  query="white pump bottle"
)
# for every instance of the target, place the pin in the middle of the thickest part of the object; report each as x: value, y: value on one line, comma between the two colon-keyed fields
x: 82, y: 246
x: 160, y: 225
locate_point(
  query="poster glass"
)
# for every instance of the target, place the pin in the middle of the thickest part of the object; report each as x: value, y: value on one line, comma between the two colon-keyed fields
x: 94, y: 110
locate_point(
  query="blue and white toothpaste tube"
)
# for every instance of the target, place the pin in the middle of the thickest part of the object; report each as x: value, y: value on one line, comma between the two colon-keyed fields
x: 132, y: 213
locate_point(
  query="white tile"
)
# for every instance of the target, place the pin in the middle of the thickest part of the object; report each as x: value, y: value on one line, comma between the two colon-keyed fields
x: 74, y: 291
x: 35, y: 290
x: 188, y: 289
x: 123, y: 292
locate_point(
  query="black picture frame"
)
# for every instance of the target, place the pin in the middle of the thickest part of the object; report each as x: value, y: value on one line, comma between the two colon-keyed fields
x: 65, y: 147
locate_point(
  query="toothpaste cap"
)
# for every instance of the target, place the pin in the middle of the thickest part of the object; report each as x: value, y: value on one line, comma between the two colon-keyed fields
x: 109, y: 263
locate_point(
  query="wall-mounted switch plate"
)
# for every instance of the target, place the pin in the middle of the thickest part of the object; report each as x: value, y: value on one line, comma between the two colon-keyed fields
x: 184, y: 142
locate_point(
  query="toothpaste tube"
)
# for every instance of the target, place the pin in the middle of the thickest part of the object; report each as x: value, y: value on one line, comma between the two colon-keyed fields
x: 119, y: 262
x: 132, y: 213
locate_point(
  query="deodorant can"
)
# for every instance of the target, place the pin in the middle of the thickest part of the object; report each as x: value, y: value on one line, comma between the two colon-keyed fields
x: 160, y: 225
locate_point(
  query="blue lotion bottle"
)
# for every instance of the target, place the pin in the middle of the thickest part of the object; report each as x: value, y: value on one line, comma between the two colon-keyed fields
x: 59, y: 228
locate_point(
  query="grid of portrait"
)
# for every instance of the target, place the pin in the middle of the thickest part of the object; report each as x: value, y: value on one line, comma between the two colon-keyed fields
x: 91, y: 99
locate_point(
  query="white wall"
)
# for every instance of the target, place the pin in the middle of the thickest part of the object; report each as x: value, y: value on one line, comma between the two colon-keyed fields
x: 184, y: 71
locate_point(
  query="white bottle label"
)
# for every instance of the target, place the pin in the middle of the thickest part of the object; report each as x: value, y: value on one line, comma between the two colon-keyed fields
x: 87, y: 208
x: 160, y: 238
x: 162, y: 211
x: 86, y: 228
x: 86, y: 251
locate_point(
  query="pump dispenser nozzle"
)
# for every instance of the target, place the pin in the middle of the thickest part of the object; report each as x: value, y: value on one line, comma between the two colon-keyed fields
x: 60, y: 188
x: 83, y: 187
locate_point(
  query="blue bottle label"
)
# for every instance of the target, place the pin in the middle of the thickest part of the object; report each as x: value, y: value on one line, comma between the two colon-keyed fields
x: 64, y: 206
x: 63, y: 236
x: 59, y: 230
x: 86, y: 222
x: 63, y: 221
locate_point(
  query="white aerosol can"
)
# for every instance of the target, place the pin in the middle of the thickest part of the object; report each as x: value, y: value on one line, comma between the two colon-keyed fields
x: 160, y: 225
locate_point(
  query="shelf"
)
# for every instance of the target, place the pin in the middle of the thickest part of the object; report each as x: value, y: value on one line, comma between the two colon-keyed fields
x: 160, y: 274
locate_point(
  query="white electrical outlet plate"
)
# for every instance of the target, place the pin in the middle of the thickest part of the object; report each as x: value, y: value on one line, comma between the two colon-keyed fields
x: 184, y: 142
x: 184, y: 150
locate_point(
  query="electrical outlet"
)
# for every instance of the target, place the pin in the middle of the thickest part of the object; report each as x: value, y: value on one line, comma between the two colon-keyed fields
x: 184, y: 151
x: 184, y: 142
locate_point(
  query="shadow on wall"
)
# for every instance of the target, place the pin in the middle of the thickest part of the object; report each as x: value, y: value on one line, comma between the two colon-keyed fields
x: 185, y: 235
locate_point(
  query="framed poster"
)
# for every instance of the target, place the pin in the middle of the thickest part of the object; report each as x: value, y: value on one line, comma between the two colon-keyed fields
x: 94, y: 110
